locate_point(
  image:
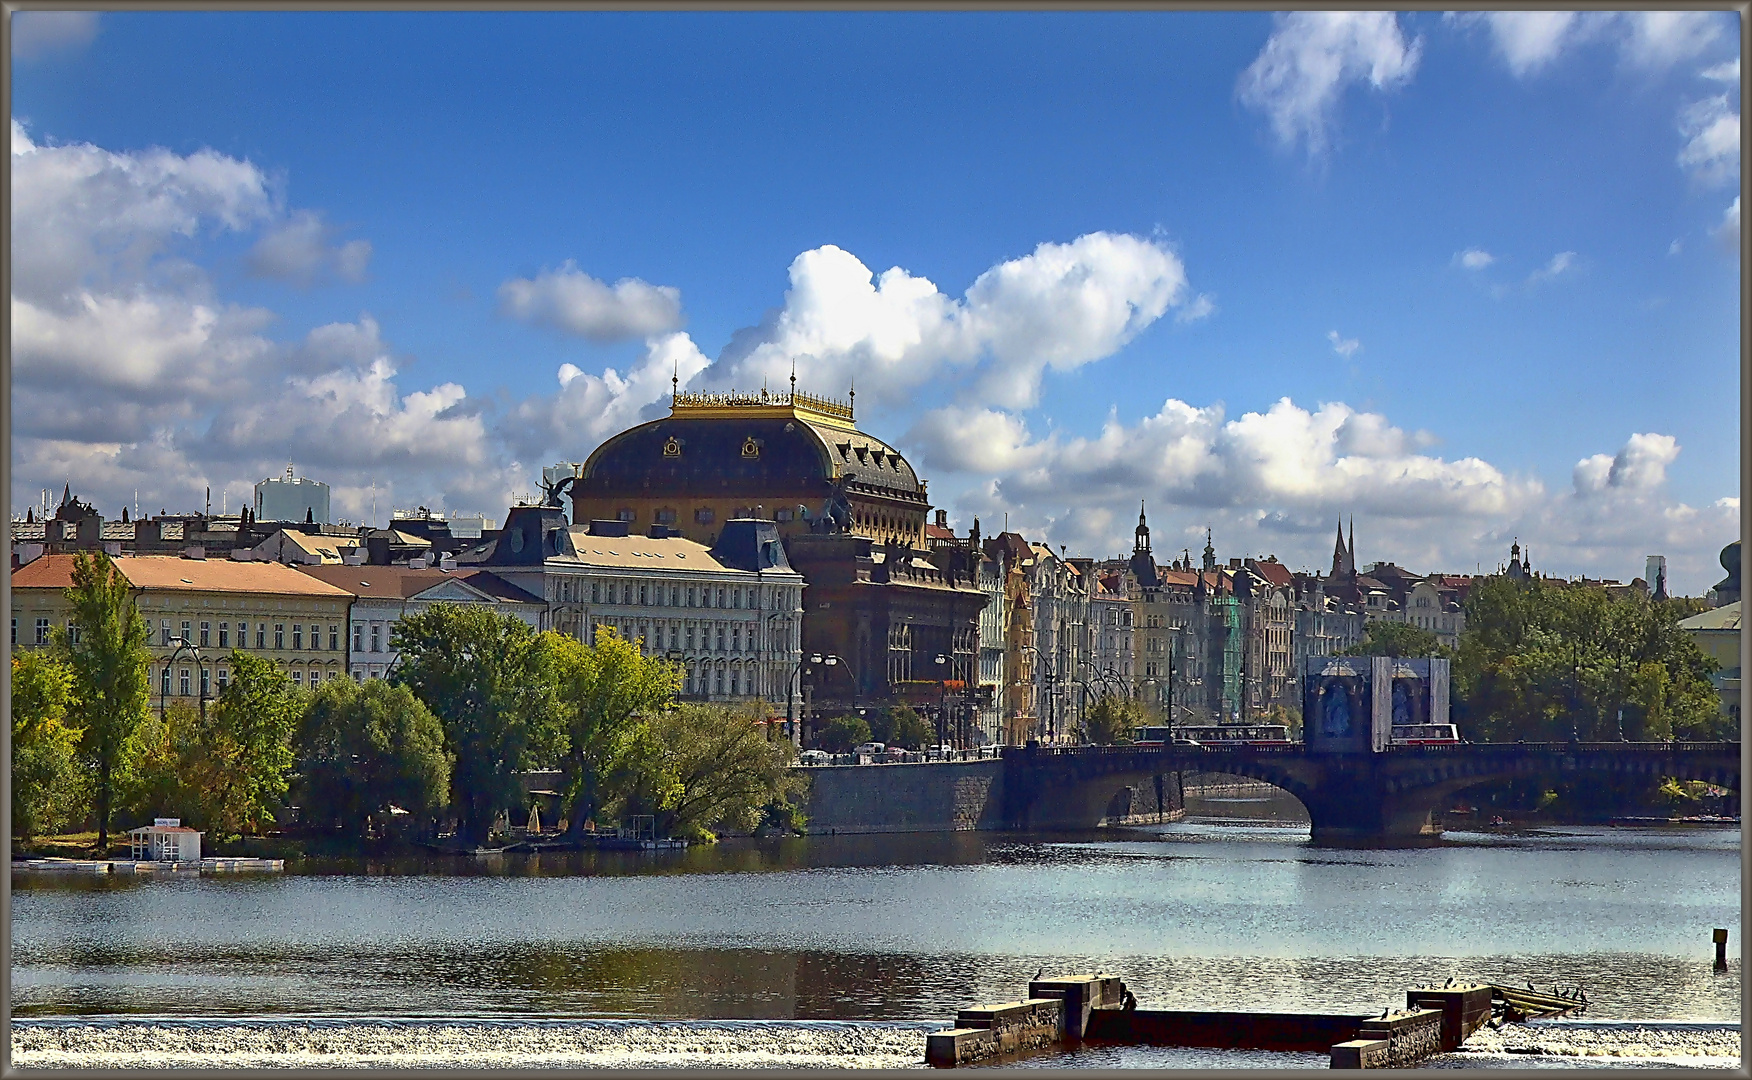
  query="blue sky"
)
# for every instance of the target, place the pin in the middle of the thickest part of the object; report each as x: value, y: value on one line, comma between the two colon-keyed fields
x: 1466, y: 278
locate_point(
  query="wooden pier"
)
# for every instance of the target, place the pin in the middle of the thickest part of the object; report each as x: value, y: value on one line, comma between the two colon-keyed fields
x: 210, y: 865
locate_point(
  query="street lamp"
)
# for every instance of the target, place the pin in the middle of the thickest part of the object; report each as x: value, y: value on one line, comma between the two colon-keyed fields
x: 1046, y: 671
x: 942, y: 698
x: 791, y: 680
x: 182, y: 645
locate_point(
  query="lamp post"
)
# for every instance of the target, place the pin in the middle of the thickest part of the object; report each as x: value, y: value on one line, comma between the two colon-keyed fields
x: 182, y: 645
x: 827, y: 659
x: 1047, y: 673
x: 942, y: 698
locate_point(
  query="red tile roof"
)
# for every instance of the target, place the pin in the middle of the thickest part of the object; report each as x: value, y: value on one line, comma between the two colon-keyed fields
x: 175, y: 573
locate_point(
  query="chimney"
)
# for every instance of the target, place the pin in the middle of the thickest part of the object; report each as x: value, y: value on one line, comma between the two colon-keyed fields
x: 447, y: 561
x: 942, y: 519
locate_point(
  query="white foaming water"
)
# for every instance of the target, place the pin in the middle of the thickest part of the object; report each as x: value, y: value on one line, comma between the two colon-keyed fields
x: 320, y: 1044
x: 572, y: 1044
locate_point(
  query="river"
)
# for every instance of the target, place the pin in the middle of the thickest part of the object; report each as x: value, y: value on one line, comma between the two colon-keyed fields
x: 845, y: 950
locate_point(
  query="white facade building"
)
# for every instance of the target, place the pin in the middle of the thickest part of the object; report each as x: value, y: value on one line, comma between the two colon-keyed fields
x: 292, y: 498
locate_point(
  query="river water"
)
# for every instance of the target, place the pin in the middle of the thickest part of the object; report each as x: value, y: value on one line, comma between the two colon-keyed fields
x: 846, y: 950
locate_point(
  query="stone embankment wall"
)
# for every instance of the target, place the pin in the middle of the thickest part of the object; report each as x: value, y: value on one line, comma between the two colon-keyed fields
x: 935, y: 796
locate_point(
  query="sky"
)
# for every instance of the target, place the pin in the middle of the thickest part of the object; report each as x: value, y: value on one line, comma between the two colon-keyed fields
x: 1465, y: 278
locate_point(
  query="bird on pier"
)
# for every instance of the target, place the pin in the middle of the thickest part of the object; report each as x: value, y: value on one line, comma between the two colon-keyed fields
x: 1530, y: 989
x: 1449, y: 983
x: 1039, y: 973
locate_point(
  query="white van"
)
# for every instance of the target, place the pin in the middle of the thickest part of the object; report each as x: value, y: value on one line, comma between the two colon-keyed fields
x: 869, y: 749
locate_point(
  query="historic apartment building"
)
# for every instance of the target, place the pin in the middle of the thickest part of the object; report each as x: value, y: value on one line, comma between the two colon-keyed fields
x: 197, y: 611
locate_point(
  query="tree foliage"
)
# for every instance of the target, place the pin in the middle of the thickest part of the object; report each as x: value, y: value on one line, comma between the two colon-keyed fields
x: 487, y: 679
x: 242, y: 758
x: 705, y: 768
x: 46, y: 778
x: 364, y: 748
x: 109, y: 662
x: 1112, y: 720
x: 1397, y: 639
x: 602, y: 690
x: 901, y: 726
x: 840, y: 734
x: 1540, y: 658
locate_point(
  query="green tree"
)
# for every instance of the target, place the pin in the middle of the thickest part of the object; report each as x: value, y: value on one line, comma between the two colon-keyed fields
x: 901, y: 726
x: 711, y: 767
x: 1397, y: 639
x: 1112, y: 720
x: 106, y: 652
x: 1541, y: 659
x: 602, y: 690
x: 487, y: 678
x: 46, y: 787
x: 364, y: 748
x: 162, y: 775
x: 842, y: 733
x: 243, y: 758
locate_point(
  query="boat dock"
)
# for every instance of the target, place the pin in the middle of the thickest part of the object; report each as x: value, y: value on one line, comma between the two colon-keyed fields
x: 210, y: 865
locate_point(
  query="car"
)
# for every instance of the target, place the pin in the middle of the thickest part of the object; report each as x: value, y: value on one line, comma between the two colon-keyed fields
x: 815, y: 757
x: 1181, y: 740
x: 869, y: 749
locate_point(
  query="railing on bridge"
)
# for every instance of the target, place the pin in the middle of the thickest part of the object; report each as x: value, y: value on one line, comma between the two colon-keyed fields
x: 1422, y: 749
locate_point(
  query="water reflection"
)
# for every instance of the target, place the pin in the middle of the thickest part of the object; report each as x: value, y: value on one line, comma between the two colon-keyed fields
x: 1192, y: 914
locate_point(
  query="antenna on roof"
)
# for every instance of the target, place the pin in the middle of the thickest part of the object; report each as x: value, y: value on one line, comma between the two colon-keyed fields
x: 675, y: 381
x: 793, y: 380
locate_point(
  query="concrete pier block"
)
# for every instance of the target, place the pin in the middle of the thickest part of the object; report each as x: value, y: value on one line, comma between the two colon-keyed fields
x: 1082, y: 995
x: 1464, y: 1010
x: 1360, y: 1054
x: 1010, y: 1027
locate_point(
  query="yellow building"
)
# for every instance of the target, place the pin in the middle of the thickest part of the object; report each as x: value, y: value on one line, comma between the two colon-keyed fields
x: 212, y: 605
x: 1717, y: 633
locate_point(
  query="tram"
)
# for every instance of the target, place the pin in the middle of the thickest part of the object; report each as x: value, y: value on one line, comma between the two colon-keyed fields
x: 1424, y: 735
x: 1216, y: 735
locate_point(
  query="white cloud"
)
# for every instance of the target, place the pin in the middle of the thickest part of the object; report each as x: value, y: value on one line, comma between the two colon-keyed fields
x: 1528, y: 42
x: 570, y: 300
x: 1712, y: 149
x: 1641, y: 465
x: 40, y: 33
x: 1310, y: 60
x: 1727, y: 72
x: 1200, y: 307
x: 589, y: 408
x: 1559, y: 264
x: 1343, y: 346
x: 1675, y: 247
x: 302, y: 250
x: 1063, y: 306
x: 974, y: 439
x: 1728, y: 232
x: 1474, y: 258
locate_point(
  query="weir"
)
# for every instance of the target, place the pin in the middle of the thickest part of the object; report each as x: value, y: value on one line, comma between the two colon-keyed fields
x: 1072, y: 1009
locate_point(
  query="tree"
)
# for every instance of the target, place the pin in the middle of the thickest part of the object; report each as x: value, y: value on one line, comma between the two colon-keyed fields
x: 1112, y: 720
x: 46, y: 777
x: 106, y: 653
x: 162, y: 774
x: 902, y: 726
x: 486, y: 677
x: 1539, y: 660
x: 1397, y: 639
x: 243, y: 758
x: 842, y: 733
x: 711, y: 767
x: 365, y: 748
x: 602, y: 690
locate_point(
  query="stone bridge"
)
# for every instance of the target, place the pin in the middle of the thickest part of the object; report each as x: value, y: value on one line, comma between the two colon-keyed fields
x: 1395, y: 794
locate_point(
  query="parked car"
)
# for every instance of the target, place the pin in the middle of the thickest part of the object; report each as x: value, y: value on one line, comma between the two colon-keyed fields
x: 815, y: 757
x: 869, y: 749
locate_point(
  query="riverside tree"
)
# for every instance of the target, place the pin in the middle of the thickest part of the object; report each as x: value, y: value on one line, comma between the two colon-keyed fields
x: 901, y: 726
x: 487, y: 679
x: 1541, y: 659
x: 704, y: 768
x: 603, y: 689
x: 1112, y: 720
x: 242, y: 757
x: 842, y: 733
x: 1397, y: 639
x: 105, y: 650
x: 46, y: 786
x: 363, y: 749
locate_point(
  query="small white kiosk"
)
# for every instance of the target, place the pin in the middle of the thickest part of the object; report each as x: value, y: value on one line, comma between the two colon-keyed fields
x: 165, y: 840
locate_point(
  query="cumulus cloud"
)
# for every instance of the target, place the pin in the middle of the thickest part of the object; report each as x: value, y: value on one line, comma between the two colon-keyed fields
x: 1711, y: 128
x: 1059, y: 308
x: 1641, y: 465
x: 1341, y: 345
x: 37, y: 34
x: 589, y: 408
x: 130, y: 373
x: 302, y: 250
x: 1199, y: 307
x: 1558, y: 265
x: 1528, y: 42
x: 1474, y: 258
x: 1728, y: 232
x: 570, y: 300
x: 1312, y: 58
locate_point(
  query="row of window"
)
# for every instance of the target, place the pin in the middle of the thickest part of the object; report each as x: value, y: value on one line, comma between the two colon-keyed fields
x: 720, y: 678
x: 711, y: 637
x: 571, y: 590
x: 185, y: 677
x: 206, y: 635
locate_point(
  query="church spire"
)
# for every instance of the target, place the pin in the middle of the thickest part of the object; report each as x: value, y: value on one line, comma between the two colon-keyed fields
x: 1350, y: 555
x: 1338, y: 551
x: 1141, y: 538
x: 1210, y: 553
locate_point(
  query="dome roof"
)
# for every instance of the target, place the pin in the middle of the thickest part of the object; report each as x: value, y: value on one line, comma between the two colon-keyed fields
x: 749, y: 444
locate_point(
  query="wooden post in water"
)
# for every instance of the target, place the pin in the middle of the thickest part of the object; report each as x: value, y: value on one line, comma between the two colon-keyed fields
x: 1721, y: 944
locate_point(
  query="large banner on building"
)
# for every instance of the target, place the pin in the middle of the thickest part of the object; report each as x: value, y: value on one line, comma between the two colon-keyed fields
x: 1381, y: 702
